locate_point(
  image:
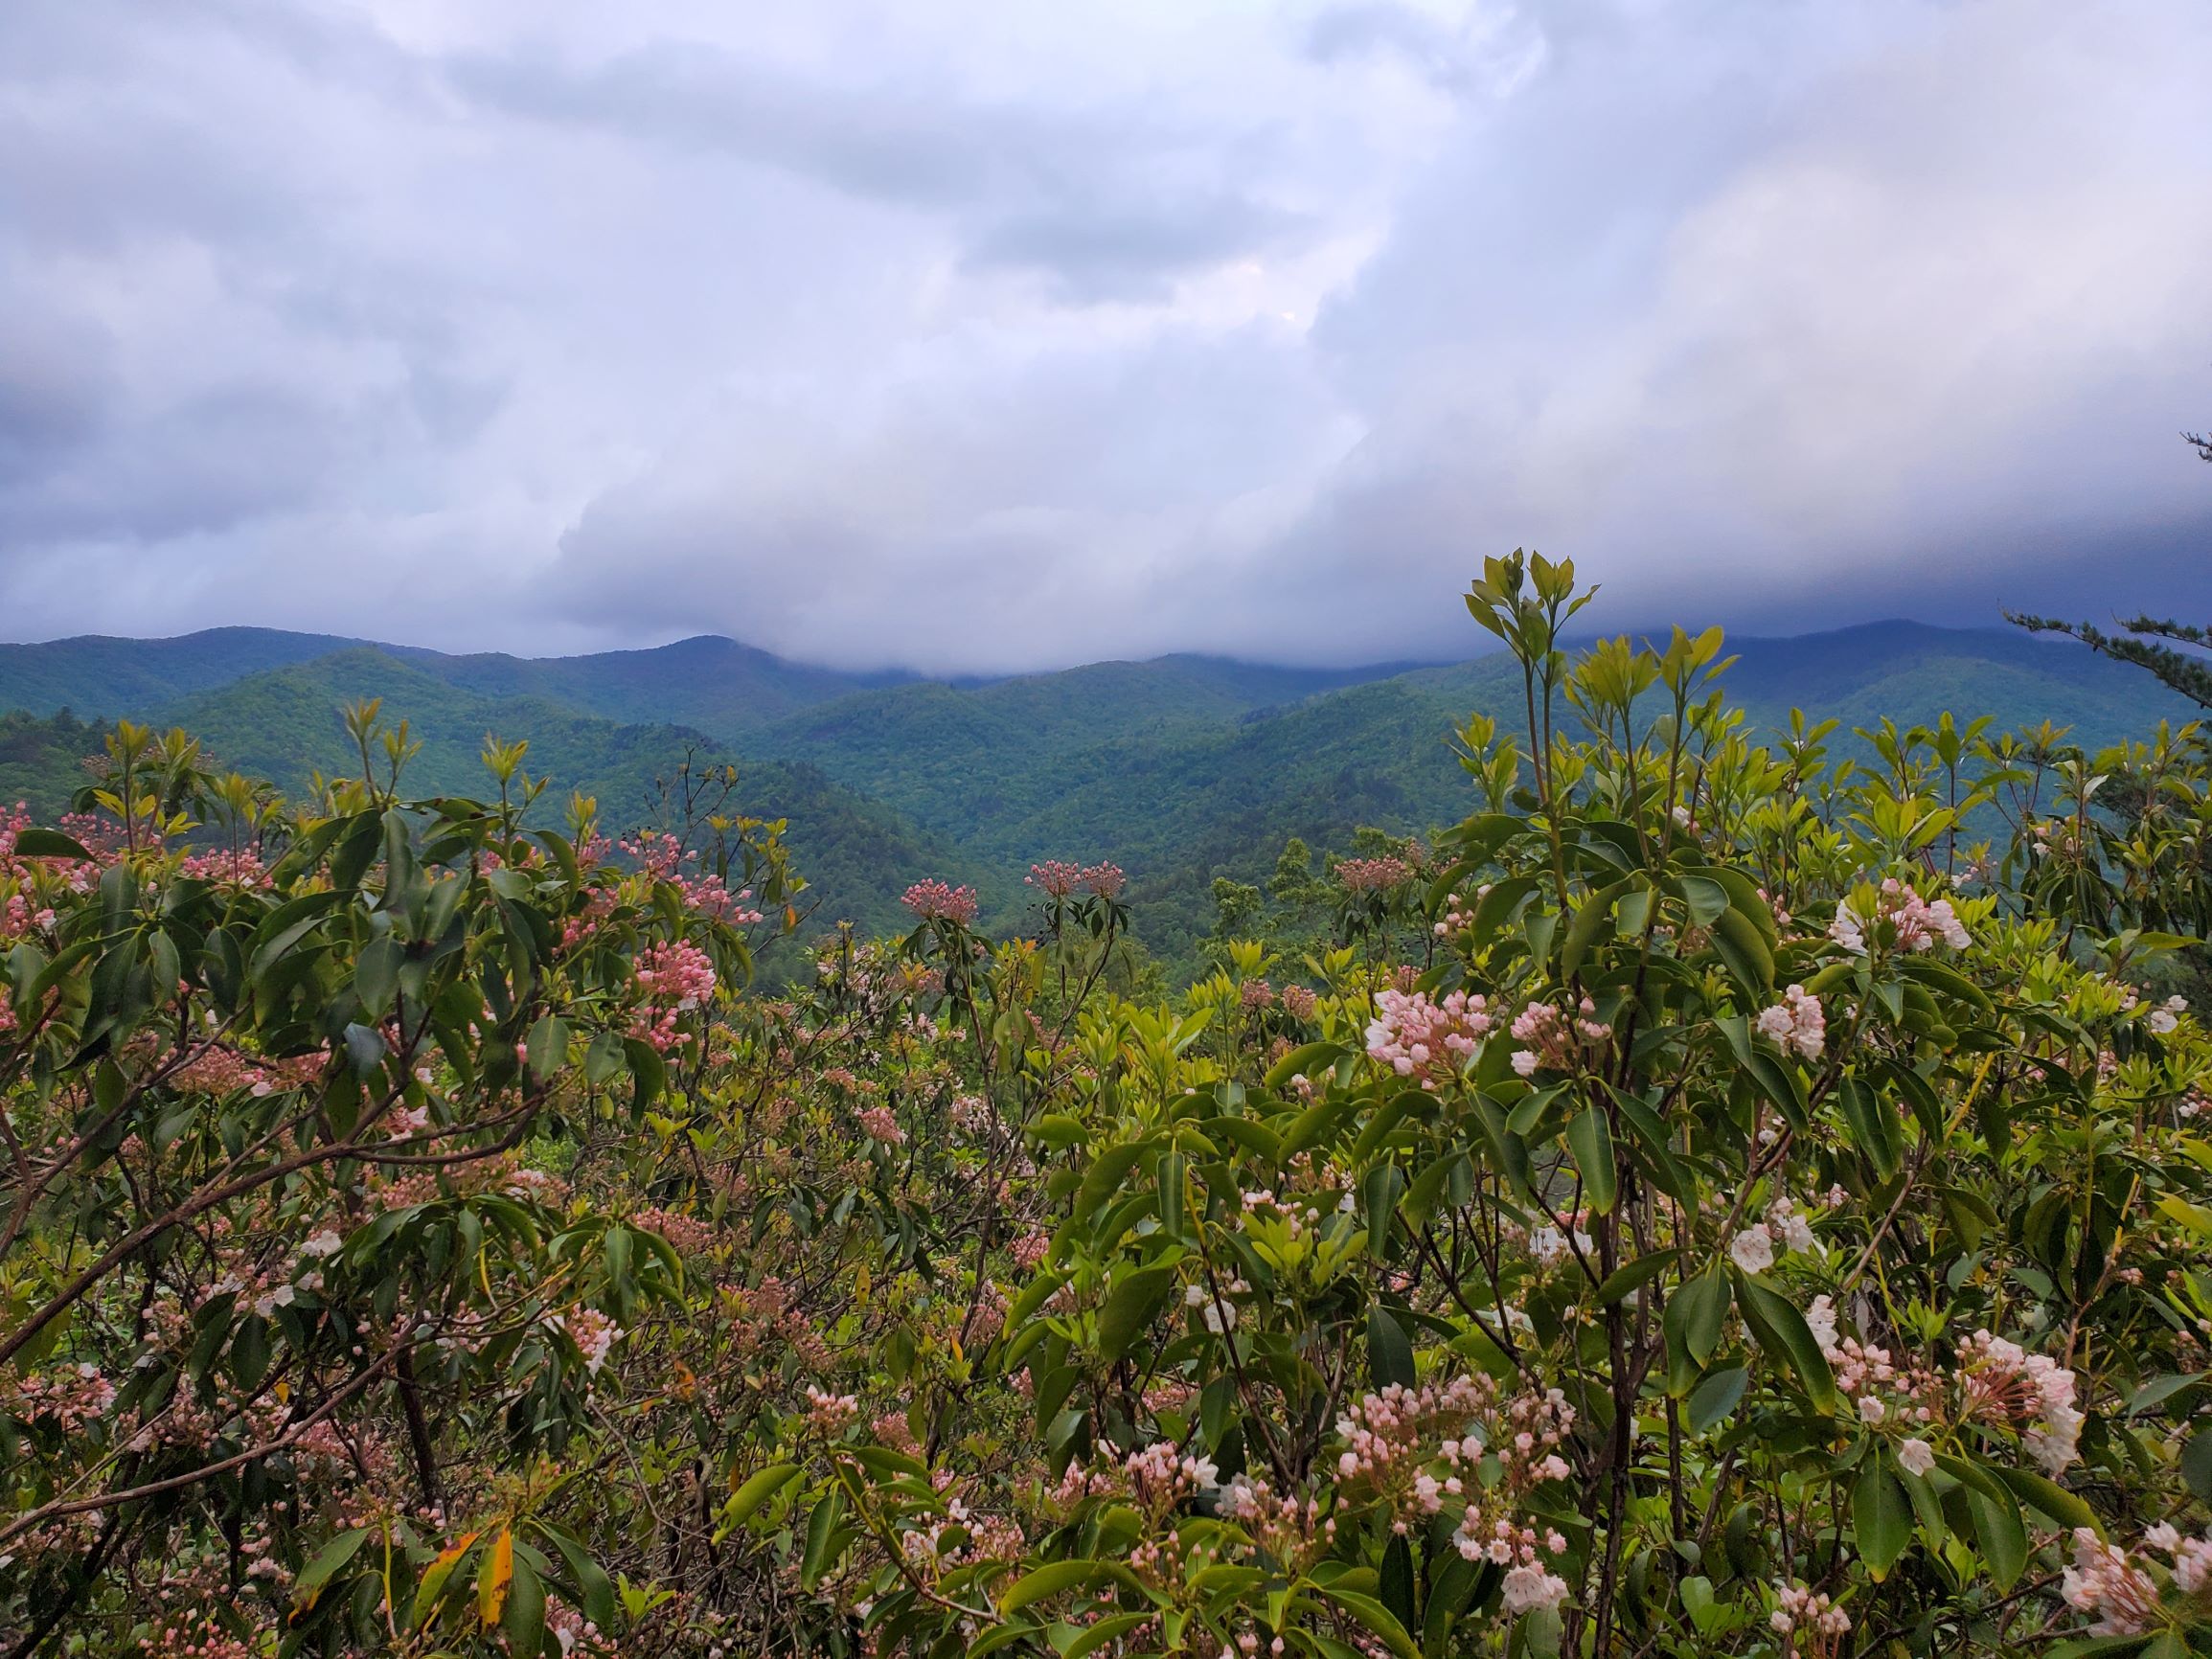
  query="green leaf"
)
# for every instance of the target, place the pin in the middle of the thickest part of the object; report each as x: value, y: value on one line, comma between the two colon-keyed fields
x: 523, y: 1619
x: 1716, y: 1396
x: 2049, y: 1499
x: 1626, y: 1280
x: 1389, y: 1352
x: 1384, y: 1187
x: 1695, y: 1316
x: 1090, y: 1638
x: 38, y: 843
x: 1105, y: 1175
x: 1998, y: 1527
x: 1744, y: 950
x: 1881, y: 1515
x: 1397, y: 1585
x: 1309, y: 1061
x: 757, y: 1490
x: 376, y: 974
x: 1131, y: 1307
x: 2196, y: 1465
x: 548, y: 1045
x: 1590, y: 1138
x: 329, y: 1559
x: 1375, y: 1616
x: 1591, y: 922
x: 1782, y: 1326
x: 592, y: 1583
x: 1707, y: 900
x: 821, y: 1533
x: 1054, y: 1578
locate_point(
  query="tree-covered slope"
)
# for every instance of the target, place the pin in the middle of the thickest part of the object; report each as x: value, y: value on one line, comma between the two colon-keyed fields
x: 712, y: 684
x: 96, y: 674
x: 857, y: 855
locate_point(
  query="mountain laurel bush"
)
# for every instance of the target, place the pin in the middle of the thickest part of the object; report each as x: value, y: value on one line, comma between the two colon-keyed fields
x: 1720, y: 1199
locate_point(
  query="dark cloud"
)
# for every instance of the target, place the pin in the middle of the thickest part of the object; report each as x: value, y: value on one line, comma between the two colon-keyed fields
x: 957, y: 337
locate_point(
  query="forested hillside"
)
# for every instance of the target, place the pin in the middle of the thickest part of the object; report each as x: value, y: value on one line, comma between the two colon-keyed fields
x: 1181, y: 769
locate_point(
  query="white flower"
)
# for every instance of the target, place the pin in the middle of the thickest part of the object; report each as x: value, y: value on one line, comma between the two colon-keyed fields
x: 1527, y: 1587
x: 1820, y: 1320
x: 1915, y: 1457
x: 1796, y: 1231
x: 281, y: 1297
x: 1871, y: 1409
x: 324, y: 1243
x: 1753, y: 1249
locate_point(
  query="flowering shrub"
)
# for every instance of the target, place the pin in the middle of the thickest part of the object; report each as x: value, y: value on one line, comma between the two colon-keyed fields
x: 1769, y: 1216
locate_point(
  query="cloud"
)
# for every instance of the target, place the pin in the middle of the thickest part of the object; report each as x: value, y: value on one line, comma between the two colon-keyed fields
x: 971, y: 341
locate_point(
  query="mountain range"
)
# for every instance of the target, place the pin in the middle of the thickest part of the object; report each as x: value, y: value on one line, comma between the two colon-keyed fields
x: 1180, y: 768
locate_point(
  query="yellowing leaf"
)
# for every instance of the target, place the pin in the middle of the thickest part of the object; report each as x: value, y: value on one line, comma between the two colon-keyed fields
x: 493, y: 1580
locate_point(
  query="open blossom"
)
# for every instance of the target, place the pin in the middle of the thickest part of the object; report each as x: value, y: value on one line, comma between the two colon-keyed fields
x: 1795, y: 1023
x: 2167, y: 1016
x: 1753, y: 1248
x: 937, y: 901
x: 1917, y: 923
x: 1915, y: 1457
x: 2104, y: 1582
x: 1416, y: 1038
x: 1531, y: 1586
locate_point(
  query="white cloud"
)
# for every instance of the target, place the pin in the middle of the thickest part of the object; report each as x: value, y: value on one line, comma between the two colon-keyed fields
x: 974, y: 339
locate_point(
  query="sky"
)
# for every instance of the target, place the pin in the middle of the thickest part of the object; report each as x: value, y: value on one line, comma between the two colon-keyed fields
x: 971, y: 336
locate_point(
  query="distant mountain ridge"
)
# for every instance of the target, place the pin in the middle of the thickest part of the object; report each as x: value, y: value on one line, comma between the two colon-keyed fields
x: 1181, y: 768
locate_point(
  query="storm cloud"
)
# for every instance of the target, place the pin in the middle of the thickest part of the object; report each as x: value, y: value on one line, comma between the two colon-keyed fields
x: 974, y: 339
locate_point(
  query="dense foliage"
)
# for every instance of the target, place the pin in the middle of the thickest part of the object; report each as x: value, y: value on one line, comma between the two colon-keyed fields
x: 1715, y: 1199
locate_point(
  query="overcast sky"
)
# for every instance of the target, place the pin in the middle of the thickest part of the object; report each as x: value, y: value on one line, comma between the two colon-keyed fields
x: 969, y: 334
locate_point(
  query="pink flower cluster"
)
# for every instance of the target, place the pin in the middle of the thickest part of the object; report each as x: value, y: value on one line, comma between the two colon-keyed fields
x: 689, y: 1234
x: 1554, y: 1042
x: 67, y: 1400
x: 676, y: 978
x: 706, y: 896
x: 2002, y: 1381
x: 1795, y: 1022
x: 936, y: 901
x: 2105, y: 1582
x: 1415, y: 1037
x: 1298, y: 1001
x: 1058, y: 878
x: 1384, y: 1432
x: 1799, y: 1610
x: 830, y: 1413
x: 1371, y: 874
x: 882, y: 1125
x: 592, y: 1331
x: 1915, y: 923
x: 235, y: 867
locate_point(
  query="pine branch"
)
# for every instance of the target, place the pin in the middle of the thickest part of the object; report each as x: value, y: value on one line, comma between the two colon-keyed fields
x: 2190, y: 675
